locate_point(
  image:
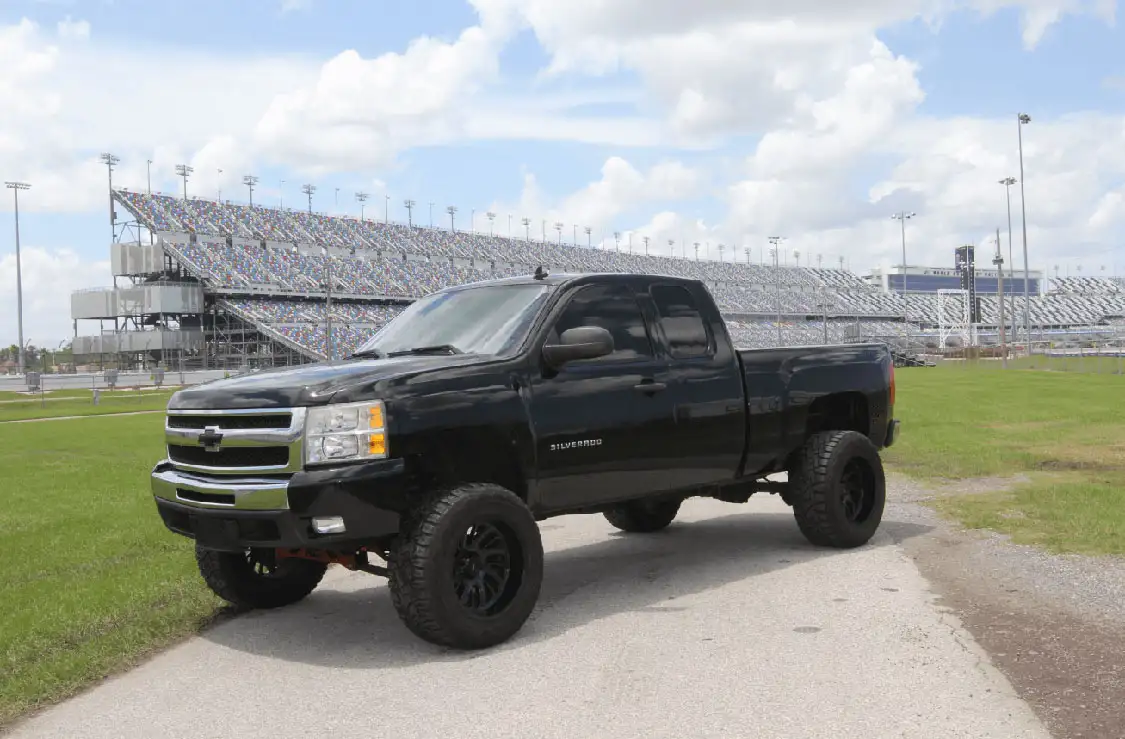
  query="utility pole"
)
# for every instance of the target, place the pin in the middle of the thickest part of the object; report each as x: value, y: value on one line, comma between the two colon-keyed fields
x: 15, y: 187
x: 998, y: 260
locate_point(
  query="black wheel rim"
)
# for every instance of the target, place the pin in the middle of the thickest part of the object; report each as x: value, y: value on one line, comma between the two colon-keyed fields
x: 486, y: 568
x: 857, y: 491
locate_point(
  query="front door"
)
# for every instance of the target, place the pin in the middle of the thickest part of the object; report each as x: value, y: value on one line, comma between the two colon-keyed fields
x: 599, y: 423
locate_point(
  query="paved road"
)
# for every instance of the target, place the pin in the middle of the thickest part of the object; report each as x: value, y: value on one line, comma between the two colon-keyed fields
x: 726, y: 625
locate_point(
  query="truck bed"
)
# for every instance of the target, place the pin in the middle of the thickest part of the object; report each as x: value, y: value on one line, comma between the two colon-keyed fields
x: 789, y: 389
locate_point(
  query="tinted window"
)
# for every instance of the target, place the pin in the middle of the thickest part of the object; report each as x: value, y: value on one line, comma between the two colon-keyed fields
x: 615, y: 310
x: 681, y: 320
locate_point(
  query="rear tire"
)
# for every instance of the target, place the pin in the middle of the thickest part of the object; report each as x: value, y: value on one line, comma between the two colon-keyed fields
x: 467, y: 568
x: 838, y: 489
x: 257, y: 578
x: 643, y: 516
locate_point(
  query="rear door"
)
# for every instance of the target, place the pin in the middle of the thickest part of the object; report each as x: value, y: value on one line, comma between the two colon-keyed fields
x: 707, y: 439
x: 602, y: 425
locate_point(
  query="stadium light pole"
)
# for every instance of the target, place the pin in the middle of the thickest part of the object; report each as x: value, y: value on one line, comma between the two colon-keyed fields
x: 452, y: 211
x: 361, y: 198
x: 1022, y: 120
x: 589, y: 237
x: 526, y: 228
x: 148, y: 175
x: 184, y: 171
x: 110, y: 160
x: 386, y: 209
x: 409, y: 205
x: 308, y: 190
x: 902, y: 217
x: 250, y: 180
x: 645, y: 239
x: 775, y: 252
x: 558, y: 228
x: 491, y: 221
x: 998, y: 260
x: 15, y: 187
x: 1007, y: 182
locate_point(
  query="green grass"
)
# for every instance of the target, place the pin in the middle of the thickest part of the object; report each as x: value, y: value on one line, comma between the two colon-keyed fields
x: 1063, y: 432
x: 90, y: 581
x: 119, y: 401
x: 1088, y: 364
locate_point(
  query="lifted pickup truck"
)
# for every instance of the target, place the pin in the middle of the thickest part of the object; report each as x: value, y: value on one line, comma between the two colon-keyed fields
x: 484, y: 408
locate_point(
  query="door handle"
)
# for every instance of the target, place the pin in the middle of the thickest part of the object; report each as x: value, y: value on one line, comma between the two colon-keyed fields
x: 650, y: 387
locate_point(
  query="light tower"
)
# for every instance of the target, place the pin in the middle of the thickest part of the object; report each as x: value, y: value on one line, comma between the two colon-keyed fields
x: 452, y: 211
x: 15, y: 187
x: 903, y: 217
x: 110, y: 160
x: 308, y: 190
x: 409, y: 205
x: 361, y: 198
x: 250, y: 180
x: 184, y: 171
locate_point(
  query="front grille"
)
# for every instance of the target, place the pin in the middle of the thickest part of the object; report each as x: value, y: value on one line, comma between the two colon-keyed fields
x: 266, y: 421
x: 236, y: 456
x: 250, y: 442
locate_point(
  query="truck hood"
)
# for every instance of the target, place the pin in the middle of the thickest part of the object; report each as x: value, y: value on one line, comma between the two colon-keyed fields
x: 309, y: 384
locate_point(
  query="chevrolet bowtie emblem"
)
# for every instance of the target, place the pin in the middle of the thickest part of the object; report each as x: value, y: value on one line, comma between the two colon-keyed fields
x: 210, y: 439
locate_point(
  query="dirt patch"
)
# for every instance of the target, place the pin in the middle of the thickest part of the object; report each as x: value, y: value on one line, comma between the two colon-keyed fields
x: 1055, y: 625
x: 917, y: 492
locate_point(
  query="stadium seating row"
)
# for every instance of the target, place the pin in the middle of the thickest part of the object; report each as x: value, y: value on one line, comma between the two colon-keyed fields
x: 373, y: 258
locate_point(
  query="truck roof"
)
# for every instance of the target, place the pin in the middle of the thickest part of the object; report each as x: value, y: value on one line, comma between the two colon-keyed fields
x: 560, y: 278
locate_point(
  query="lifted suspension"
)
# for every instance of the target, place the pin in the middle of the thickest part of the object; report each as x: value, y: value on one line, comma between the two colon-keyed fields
x: 357, y: 561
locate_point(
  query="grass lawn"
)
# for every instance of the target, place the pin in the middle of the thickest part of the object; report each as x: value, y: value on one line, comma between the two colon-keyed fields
x: 90, y: 580
x: 1063, y: 431
x: 82, y: 404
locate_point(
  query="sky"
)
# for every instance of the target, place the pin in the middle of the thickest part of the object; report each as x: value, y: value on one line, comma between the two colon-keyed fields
x: 717, y: 121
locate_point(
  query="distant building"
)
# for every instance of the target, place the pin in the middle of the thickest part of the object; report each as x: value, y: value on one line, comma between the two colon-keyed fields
x: 928, y: 280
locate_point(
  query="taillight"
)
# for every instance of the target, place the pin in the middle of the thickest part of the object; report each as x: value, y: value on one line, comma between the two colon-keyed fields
x: 892, y: 384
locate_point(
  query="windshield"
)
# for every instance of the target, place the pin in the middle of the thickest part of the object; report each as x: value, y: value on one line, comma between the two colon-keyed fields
x: 474, y: 320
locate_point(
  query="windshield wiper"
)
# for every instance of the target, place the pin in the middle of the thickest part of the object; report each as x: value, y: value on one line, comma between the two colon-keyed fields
x: 435, y: 349
x: 373, y: 353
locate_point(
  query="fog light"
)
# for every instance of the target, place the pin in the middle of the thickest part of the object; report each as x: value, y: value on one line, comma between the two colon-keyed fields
x: 329, y: 525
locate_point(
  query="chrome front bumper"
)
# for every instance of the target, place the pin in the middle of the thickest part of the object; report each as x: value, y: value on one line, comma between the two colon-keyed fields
x: 231, y: 493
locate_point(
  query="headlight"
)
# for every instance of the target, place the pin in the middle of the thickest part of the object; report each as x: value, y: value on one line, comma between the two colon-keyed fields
x: 349, y: 432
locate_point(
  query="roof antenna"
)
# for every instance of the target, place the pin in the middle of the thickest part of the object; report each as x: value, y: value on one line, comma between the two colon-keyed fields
x: 540, y: 273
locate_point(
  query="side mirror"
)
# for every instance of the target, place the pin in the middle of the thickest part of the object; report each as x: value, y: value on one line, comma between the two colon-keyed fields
x: 584, y: 342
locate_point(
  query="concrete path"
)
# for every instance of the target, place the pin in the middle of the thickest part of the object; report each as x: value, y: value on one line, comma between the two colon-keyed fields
x: 726, y: 625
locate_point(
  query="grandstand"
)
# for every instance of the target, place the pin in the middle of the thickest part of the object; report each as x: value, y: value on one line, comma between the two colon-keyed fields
x: 223, y: 284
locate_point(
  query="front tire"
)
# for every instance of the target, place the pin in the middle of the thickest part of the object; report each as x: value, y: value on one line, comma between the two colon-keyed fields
x: 467, y: 568
x: 643, y: 516
x: 257, y: 578
x: 838, y: 489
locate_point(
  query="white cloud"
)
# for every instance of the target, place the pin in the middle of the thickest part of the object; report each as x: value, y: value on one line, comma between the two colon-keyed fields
x: 620, y: 188
x: 47, y: 275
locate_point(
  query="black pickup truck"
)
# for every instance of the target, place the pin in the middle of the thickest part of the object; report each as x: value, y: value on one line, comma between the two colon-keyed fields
x: 484, y: 408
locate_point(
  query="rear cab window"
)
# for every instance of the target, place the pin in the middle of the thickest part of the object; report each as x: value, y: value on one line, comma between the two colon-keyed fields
x: 682, y: 322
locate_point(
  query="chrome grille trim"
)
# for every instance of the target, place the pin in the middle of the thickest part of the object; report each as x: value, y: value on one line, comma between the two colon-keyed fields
x: 289, y: 435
